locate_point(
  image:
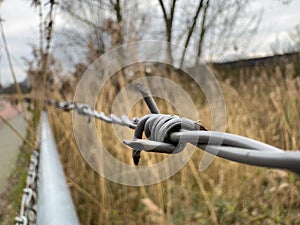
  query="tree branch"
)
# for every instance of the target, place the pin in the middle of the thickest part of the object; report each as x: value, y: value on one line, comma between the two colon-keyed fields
x: 191, y: 30
x: 202, y: 30
x: 163, y: 10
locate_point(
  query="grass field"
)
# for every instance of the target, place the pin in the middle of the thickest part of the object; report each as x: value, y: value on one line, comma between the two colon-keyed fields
x: 262, y: 107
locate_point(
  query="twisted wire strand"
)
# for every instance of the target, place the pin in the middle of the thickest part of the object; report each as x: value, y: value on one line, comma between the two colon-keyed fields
x: 173, y: 133
x: 86, y: 110
x: 241, y: 149
x: 170, y: 134
x: 221, y: 138
x: 279, y: 159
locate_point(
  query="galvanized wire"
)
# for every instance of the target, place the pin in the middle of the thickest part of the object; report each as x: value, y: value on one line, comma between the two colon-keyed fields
x: 86, y: 110
x: 169, y: 134
x: 241, y: 149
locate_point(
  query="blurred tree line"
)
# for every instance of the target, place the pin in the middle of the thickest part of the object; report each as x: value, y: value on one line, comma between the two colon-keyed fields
x: 207, y: 27
x: 79, y: 31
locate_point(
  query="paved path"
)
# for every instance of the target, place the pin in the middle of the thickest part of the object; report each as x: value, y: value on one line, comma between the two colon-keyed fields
x: 9, y: 141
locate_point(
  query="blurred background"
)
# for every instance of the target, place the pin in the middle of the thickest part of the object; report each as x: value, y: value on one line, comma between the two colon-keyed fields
x: 252, y: 47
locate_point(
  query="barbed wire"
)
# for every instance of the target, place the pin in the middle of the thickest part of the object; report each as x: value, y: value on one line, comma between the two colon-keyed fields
x: 86, y: 110
x: 169, y: 134
x: 164, y: 134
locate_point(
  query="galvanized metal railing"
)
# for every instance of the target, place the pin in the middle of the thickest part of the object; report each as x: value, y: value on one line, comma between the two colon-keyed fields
x: 55, y: 205
x: 46, y: 198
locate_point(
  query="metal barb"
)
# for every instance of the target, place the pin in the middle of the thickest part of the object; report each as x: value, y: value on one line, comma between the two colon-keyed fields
x: 147, y: 98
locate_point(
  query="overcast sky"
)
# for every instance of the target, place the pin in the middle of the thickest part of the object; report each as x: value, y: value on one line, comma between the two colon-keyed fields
x: 21, y: 22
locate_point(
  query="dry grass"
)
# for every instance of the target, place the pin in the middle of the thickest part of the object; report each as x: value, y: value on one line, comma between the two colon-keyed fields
x: 264, y: 108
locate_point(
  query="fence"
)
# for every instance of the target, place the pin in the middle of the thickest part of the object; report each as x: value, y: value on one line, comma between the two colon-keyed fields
x: 53, y: 205
x: 165, y: 134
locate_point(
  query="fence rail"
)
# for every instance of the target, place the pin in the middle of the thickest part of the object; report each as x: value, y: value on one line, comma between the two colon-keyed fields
x: 55, y: 205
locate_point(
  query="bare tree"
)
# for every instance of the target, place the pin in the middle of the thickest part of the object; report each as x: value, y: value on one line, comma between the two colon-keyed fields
x: 168, y: 18
x: 289, y: 44
x: 209, y: 26
x: 116, y: 5
x: 229, y: 28
x: 105, y: 24
x: 202, y: 30
x: 191, y: 30
x: 294, y: 37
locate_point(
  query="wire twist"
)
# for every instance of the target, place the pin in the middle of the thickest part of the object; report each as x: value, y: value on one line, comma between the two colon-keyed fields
x: 86, y: 110
x: 157, y: 129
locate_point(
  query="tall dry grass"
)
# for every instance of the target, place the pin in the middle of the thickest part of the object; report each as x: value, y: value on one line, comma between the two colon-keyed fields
x: 262, y: 107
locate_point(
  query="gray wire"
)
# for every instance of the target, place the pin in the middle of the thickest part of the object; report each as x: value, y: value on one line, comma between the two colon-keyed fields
x: 164, y: 137
x: 86, y: 110
x: 240, y: 149
x: 279, y: 159
x: 220, y: 138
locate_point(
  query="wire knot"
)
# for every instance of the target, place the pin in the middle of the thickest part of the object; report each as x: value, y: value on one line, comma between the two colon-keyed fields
x: 157, y: 129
